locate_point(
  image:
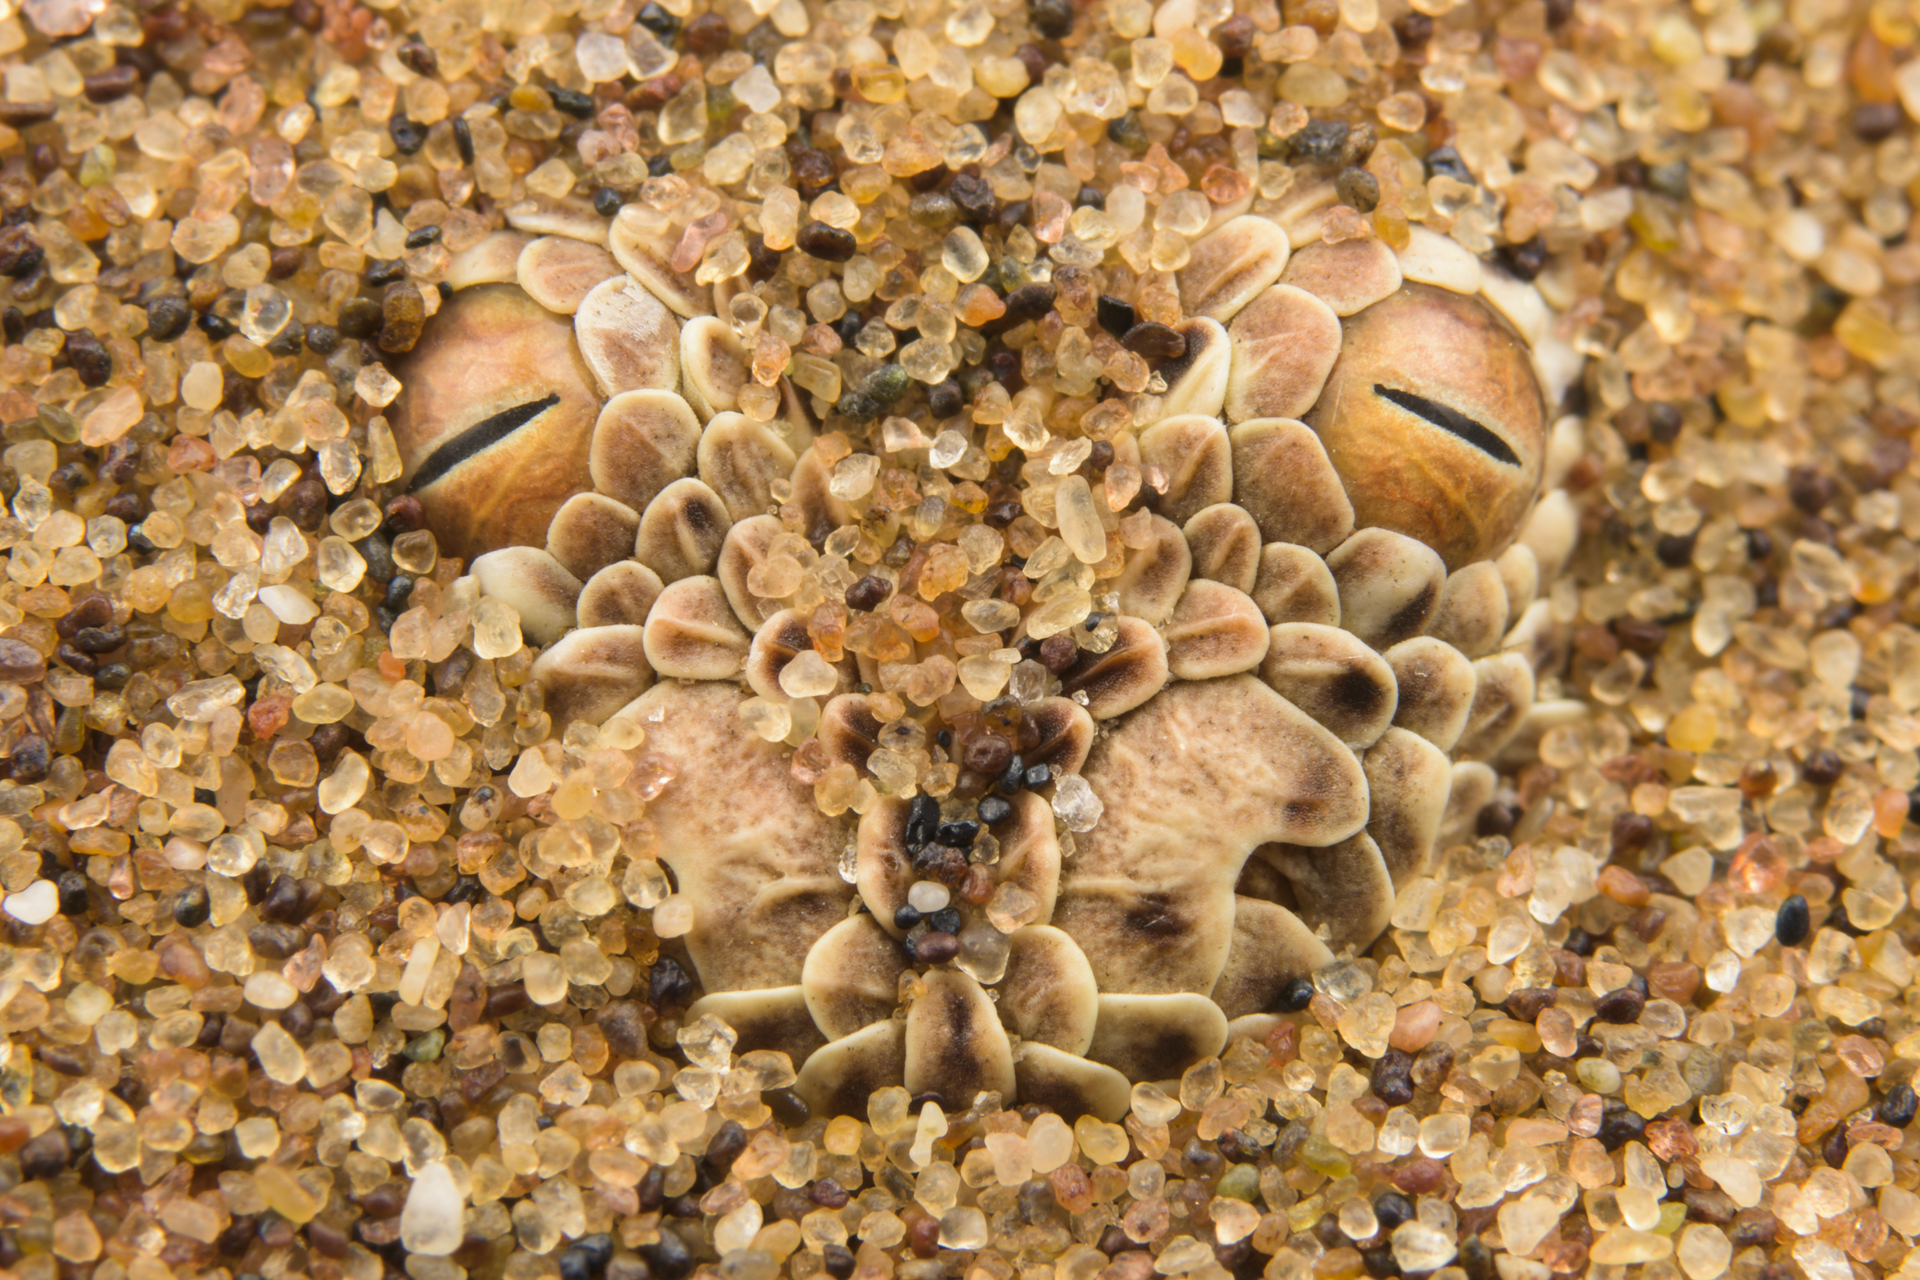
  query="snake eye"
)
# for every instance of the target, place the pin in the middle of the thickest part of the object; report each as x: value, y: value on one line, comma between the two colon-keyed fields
x: 495, y: 421
x: 1434, y: 419
x: 479, y: 437
x: 1451, y: 420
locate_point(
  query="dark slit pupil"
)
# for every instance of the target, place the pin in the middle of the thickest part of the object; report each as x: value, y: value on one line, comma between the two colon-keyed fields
x: 483, y: 434
x: 1451, y: 420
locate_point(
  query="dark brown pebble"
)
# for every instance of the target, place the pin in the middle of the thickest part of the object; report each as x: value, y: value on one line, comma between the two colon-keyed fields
x: 69, y: 478
x: 1525, y: 260
x: 1822, y: 768
x: 725, y: 1146
x: 1413, y: 30
x: 1569, y: 968
x: 1620, y: 1007
x: 1431, y: 1068
x: 482, y: 1080
x: 1358, y: 189
x: 923, y: 1236
x: 297, y: 1021
x: 329, y: 740
x: 987, y: 753
x: 1058, y: 652
x: 1809, y: 489
x: 869, y: 593
x: 1709, y: 1204
x: 283, y: 901
x: 973, y: 195
x: 129, y: 507
x: 826, y: 242
x: 1887, y: 457
x: 89, y: 357
x: 1647, y: 922
x: 360, y: 319
x: 64, y: 1060
x: 48, y: 1155
x: 1232, y: 1256
x: 1526, y: 1003
x: 1419, y: 1176
x: 1834, y: 1151
x: 1620, y: 1126
x: 509, y: 999
x: 1632, y: 832
x: 32, y: 759
x: 405, y: 514
x: 1674, y: 980
x: 708, y: 34
x: 1392, y: 1080
x: 237, y: 1238
x: 1050, y: 18
x: 68, y: 656
x: 403, y: 313
x: 1876, y: 121
x: 936, y: 948
x: 112, y: 84
x: 327, y: 1241
x: 1235, y: 36
x: 1155, y: 341
x: 276, y: 941
x: 813, y: 172
x: 1497, y: 819
x: 284, y: 262
x: 624, y: 1024
x: 1035, y: 60
x: 119, y: 467
x: 385, y: 1200
x: 306, y: 504
x: 1664, y: 422
x: 20, y: 250
x: 19, y: 115
x: 167, y: 318
x: 948, y: 866
x: 790, y: 1205
x: 99, y: 640
x: 1321, y: 142
x: 1030, y: 301
x: 1675, y: 550
x: 416, y: 57
x: 90, y: 611
x: 945, y: 399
